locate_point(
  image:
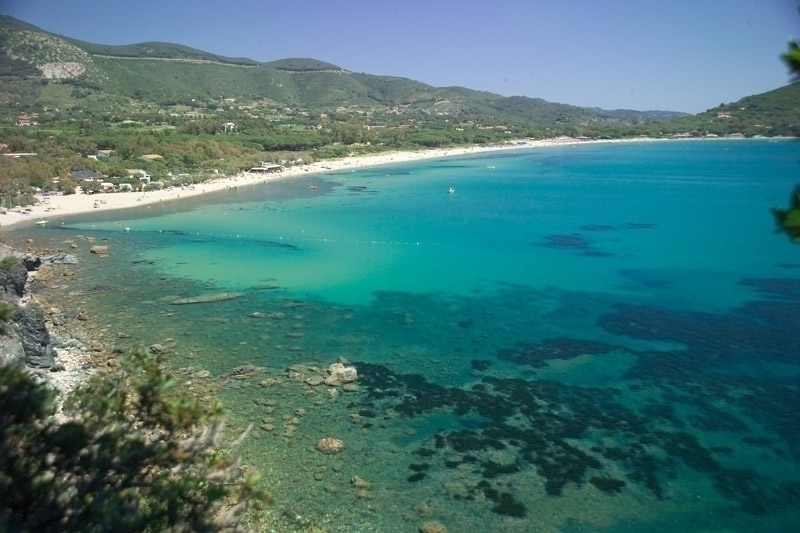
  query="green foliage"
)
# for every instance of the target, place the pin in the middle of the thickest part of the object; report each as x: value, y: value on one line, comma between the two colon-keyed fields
x: 792, y: 59
x: 302, y: 64
x: 90, y: 187
x: 7, y: 262
x: 129, y: 454
x: 788, y: 220
x: 159, y: 50
x: 6, y: 310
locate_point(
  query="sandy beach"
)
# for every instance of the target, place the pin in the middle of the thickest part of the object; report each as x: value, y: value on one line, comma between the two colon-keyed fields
x: 49, y: 210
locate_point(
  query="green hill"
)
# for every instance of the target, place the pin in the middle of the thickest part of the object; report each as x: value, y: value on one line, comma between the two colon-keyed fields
x: 43, y: 70
x: 772, y: 113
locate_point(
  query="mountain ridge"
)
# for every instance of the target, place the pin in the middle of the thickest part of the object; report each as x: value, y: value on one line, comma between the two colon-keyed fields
x: 41, y: 71
x: 361, y: 89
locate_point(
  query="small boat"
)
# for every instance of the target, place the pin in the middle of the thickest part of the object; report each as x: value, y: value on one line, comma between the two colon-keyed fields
x: 452, y: 190
x: 312, y: 186
x: 41, y: 222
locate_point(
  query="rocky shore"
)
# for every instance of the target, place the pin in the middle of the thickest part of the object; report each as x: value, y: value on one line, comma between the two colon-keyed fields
x: 50, y: 340
x: 62, y: 346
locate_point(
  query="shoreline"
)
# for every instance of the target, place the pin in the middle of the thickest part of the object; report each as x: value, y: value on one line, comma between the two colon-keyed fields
x: 75, y: 204
x: 48, y: 210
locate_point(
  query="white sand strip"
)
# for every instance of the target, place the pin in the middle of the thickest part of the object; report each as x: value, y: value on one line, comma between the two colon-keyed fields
x: 56, y: 207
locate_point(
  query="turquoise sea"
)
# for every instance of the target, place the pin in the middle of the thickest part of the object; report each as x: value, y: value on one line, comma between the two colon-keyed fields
x: 602, y: 337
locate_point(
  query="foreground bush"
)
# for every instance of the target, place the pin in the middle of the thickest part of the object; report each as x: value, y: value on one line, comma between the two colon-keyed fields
x: 129, y: 454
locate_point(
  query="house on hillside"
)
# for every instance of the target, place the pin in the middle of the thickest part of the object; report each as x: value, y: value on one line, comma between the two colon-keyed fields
x: 151, y: 157
x: 102, y: 154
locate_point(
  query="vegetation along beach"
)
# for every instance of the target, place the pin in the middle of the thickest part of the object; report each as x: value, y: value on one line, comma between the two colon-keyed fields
x: 246, y: 290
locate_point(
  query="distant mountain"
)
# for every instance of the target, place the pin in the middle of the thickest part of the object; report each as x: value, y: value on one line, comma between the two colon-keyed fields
x: 40, y: 70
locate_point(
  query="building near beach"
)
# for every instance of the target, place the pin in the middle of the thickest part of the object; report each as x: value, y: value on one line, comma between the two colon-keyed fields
x: 266, y: 168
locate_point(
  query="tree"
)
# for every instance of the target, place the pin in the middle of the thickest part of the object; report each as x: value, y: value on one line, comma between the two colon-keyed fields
x: 788, y: 220
x: 128, y: 454
x: 90, y: 187
x: 792, y: 59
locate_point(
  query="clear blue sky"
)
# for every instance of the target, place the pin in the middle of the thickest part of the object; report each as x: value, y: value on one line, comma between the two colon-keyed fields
x: 682, y: 55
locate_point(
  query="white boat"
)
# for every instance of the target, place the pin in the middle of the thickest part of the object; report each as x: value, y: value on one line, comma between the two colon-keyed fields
x: 452, y: 190
x: 41, y: 222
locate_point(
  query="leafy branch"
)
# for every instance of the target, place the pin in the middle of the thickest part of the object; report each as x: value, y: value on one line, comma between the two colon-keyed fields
x: 128, y: 453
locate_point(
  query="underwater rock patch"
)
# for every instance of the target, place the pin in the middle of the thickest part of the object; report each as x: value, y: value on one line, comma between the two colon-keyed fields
x: 574, y: 241
x: 541, y: 424
x: 597, y: 227
x: 640, y: 225
x: 98, y: 289
x: 537, y: 355
x: 207, y: 298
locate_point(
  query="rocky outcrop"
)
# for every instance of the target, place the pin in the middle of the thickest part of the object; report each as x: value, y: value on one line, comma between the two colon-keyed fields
x: 34, y: 262
x: 29, y: 325
x: 25, y: 336
x: 62, y: 70
x: 13, y: 276
x: 11, y: 350
x: 14, y: 268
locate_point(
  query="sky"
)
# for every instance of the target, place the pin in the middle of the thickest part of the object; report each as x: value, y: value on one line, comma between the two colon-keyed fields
x: 677, y: 55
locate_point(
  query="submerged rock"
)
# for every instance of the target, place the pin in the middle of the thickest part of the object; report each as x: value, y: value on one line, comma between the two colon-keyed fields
x: 360, y: 483
x: 207, y: 298
x: 340, y: 374
x: 330, y: 445
x: 315, y: 381
x: 98, y: 289
x: 242, y: 370
x: 432, y: 526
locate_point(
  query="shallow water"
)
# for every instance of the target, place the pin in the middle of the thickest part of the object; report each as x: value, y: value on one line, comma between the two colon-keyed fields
x: 590, y: 338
